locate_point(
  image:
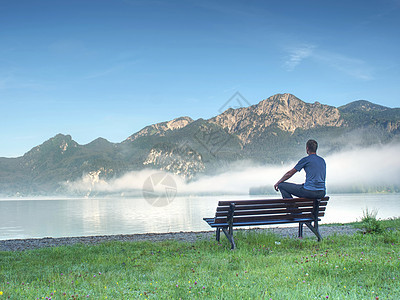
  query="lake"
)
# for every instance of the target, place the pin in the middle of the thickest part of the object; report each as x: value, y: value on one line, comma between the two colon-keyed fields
x: 37, y: 218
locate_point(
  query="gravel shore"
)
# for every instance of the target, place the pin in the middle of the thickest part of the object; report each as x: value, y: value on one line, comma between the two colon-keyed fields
x: 27, y: 244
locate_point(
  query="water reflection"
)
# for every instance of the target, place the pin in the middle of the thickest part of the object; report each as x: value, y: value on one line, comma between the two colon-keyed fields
x: 82, y: 217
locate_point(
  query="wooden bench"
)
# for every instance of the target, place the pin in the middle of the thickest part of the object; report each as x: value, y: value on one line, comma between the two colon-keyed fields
x: 235, y: 213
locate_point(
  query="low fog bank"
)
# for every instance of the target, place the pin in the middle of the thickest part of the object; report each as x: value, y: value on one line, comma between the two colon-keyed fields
x: 376, y: 168
x: 372, y: 169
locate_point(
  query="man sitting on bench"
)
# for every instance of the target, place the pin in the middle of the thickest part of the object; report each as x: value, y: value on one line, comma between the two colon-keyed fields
x: 315, y: 168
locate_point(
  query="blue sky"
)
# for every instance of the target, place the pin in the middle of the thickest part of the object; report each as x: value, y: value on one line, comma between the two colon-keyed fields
x: 108, y: 68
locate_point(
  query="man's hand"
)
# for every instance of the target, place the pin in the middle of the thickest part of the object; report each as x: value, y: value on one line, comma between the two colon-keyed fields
x: 285, y: 177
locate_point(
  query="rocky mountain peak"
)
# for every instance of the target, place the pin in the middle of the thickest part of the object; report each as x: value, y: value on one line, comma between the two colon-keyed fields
x: 278, y: 102
x: 160, y: 129
x: 285, y: 111
x: 178, y: 123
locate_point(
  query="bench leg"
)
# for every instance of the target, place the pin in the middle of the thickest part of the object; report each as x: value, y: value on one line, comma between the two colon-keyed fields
x: 301, y: 229
x: 218, y: 233
x: 314, y: 229
x: 229, y: 235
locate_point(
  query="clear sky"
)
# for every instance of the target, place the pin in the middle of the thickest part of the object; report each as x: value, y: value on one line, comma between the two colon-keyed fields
x: 97, y: 68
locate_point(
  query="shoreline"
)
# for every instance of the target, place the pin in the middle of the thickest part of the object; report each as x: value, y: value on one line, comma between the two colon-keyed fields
x: 190, y: 236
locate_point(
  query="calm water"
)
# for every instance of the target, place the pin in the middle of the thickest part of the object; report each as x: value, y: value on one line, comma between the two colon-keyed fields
x: 82, y: 217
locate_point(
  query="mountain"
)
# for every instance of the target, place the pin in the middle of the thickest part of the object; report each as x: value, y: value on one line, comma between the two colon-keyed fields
x: 286, y: 112
x: 365, y: 114
x: 161, y: 129
x: 272, y: 131
x: 362, y: 106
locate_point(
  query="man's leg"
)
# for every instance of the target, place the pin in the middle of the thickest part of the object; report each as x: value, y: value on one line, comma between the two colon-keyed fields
x: 288, y: 190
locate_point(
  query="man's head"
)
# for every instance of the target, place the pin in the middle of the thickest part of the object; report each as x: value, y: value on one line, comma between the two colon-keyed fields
x: 311, y: 146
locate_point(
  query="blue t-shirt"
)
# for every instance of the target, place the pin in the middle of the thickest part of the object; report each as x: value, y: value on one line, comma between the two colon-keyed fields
x: 315, y: 168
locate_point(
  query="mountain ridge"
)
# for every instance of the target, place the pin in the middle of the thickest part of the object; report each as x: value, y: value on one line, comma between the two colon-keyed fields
x: 362, y: 105
x: 158, y: 128
x: 286, y: 111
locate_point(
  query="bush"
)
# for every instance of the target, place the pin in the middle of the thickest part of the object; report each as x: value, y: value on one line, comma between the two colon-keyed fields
x: 369, y: 223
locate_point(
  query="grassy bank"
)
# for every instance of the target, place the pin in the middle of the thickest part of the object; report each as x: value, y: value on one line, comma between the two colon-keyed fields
x: 362, y: 266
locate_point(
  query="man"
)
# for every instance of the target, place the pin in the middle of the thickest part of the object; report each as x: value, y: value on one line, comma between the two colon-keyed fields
x: 315, y: 168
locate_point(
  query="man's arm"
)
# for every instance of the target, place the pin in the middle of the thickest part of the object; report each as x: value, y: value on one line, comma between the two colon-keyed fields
x: 285, y: 177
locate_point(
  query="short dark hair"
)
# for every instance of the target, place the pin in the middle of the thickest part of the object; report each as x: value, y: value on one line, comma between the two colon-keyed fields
x: 312, y: 145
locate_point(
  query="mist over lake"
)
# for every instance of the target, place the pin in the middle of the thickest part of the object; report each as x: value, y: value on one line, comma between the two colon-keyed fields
x: 356, y: 169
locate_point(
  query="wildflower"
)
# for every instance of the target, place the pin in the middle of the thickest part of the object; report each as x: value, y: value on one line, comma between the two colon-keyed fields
x: 1, y: 293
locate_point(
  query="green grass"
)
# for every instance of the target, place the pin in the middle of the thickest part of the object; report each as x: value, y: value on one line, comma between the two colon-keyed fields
x: 264, y: 266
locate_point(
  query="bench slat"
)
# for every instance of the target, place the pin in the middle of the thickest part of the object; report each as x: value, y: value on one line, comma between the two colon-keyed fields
x: 269, y: 206
x: 240, y: 219
x: 266, y: 201
x: 269, y: 222
x: 265, y: 218
x: 267, y: 211
x: 264, y: 207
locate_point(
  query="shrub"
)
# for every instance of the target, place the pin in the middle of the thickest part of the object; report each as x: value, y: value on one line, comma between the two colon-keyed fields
x: 369, y: 223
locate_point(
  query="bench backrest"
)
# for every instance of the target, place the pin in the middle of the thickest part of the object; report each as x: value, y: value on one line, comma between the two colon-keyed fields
x: 247, y: 211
